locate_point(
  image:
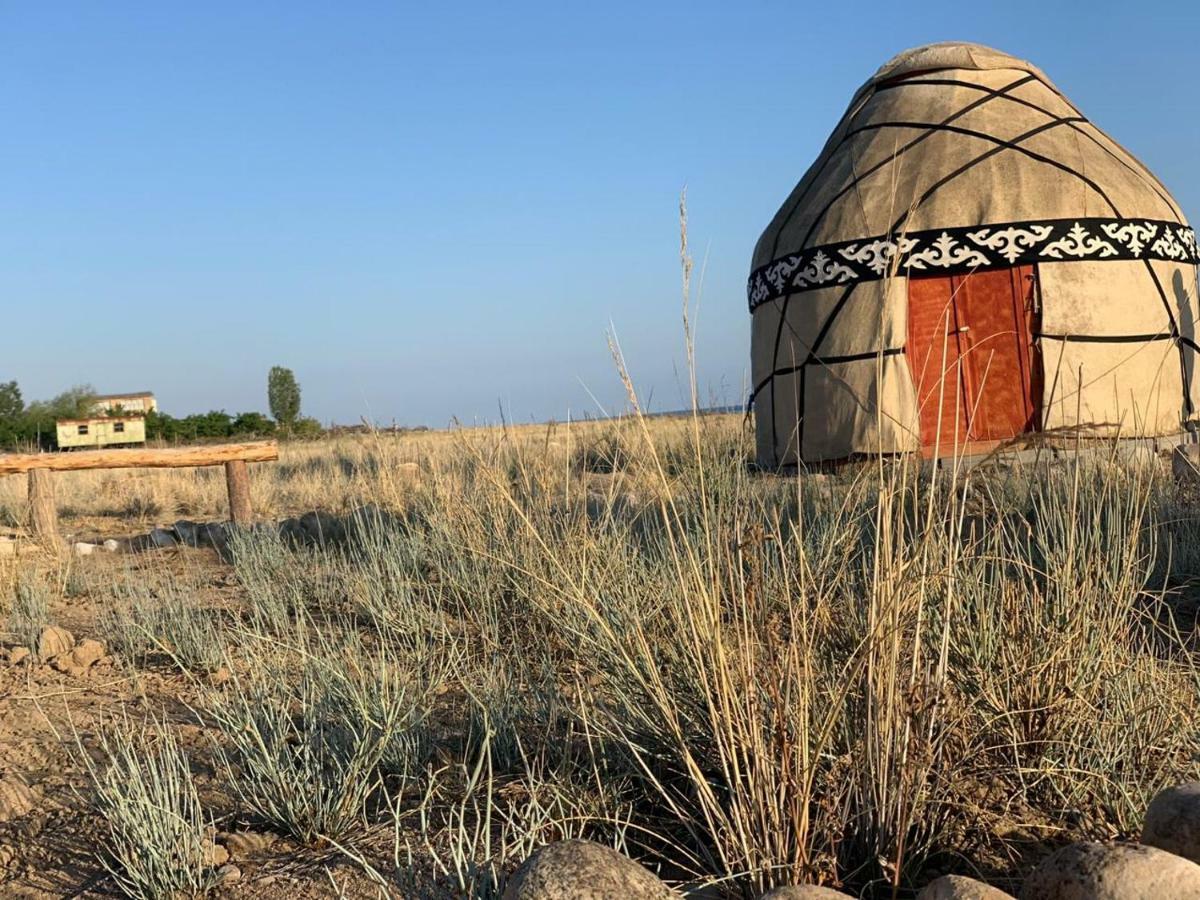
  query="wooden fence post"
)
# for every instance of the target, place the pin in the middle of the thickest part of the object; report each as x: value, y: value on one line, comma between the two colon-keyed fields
x: 237, y: 479
x: 42, y: 509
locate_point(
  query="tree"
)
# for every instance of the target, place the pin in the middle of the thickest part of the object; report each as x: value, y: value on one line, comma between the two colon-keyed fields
x: 11, y: 404
x: 74, y: 403
x: 283, y: 395
x: 307, y: 427
x: 252, y: 424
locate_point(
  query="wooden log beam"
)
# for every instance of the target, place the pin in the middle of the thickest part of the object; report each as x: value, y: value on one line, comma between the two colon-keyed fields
x: 138, y: 458
x: 237, y: 479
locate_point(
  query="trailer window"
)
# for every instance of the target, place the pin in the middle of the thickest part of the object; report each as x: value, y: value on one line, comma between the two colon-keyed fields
x: 118, y: 427
x: 82, y: 429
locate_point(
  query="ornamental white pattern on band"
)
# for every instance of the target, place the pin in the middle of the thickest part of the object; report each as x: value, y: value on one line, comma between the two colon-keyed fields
x: 1011, y: 242
x: 1079, y: 243
x: 956, y: 250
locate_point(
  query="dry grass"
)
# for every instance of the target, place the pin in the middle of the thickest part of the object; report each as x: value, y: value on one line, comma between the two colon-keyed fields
x: 742, y: 679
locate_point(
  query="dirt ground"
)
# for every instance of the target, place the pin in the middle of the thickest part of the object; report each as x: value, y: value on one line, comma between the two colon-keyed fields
x: 48, y: 718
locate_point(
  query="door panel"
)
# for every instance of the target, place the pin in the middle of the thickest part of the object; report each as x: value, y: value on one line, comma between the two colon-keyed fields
x: 934, y: 355
x: 999, y: 307
x: 981, y: 324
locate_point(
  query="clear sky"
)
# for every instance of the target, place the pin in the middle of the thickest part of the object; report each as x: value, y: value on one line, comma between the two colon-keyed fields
x: 428, y: 210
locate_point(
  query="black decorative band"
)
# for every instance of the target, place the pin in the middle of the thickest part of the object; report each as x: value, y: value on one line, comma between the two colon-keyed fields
x: 947, y: 251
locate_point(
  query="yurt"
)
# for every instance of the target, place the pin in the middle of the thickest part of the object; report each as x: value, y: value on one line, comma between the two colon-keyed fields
x: 970, y: 263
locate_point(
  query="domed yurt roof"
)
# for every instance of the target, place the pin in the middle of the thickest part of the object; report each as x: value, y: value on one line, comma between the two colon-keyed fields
x: 969, y: 261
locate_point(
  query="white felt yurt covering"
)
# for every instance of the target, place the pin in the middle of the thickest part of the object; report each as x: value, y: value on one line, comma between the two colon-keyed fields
x: 955, y: 159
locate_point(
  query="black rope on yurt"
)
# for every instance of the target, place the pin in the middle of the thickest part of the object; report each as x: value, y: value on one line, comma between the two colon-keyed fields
x: 1105, y: 338
x: 930, y: 131
x: 1132, y: 164
x: 823, y: 361
x: 970, y: 107
x: 854, y: 183
x: 953, y: 129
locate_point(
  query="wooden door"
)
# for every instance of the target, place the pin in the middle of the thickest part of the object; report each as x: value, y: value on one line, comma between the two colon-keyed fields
x: 970, y: 348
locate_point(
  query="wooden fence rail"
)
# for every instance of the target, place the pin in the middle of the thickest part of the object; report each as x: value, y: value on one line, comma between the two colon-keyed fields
x: 39, y: 466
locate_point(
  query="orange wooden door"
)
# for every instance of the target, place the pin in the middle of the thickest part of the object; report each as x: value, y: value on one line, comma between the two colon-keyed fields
x: 971, y: 350
x: 935, y: 356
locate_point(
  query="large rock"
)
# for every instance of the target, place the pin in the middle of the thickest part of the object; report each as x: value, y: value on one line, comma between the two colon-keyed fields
x: 1091, y: 871
x: 322, y: 528
x: 54, y: 641
x: 1173, y: 821
x: 582, y: 870
x: 803, y: 892
x: 959, y: 887
x: 186, y: 532
x: 201, y: 534
x: 214, y: 535
x: 87, y: 653
x: 162, y: 537
x: 65, y: 664
x: 291, y: 532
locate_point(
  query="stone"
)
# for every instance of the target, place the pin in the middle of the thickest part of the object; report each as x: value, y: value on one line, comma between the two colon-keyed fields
x: 17, y: 655
x: 215, y: 855
x: 228, y: 874
x: 111, y: 546
x: 369, y: 519
x: 1173, y: 821
x: 187, y: 532
x: 582, y: 870
x: 161, y: 537
x: 16, y: 798
x: 214, y: 535
x: 87, y: 653
x: 82, y: 548
x: 1185, y: 462
x: 54, y: 641
x: 1093, y: 871
x: 959, y: 887
x: 291, y: 532
x: 245, y: 844
x: 802, y: 892
x: 65, y: 664
x: 322, y: 528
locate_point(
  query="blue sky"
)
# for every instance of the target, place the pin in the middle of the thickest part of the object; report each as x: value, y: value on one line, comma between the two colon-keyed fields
x: 432, y: 210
